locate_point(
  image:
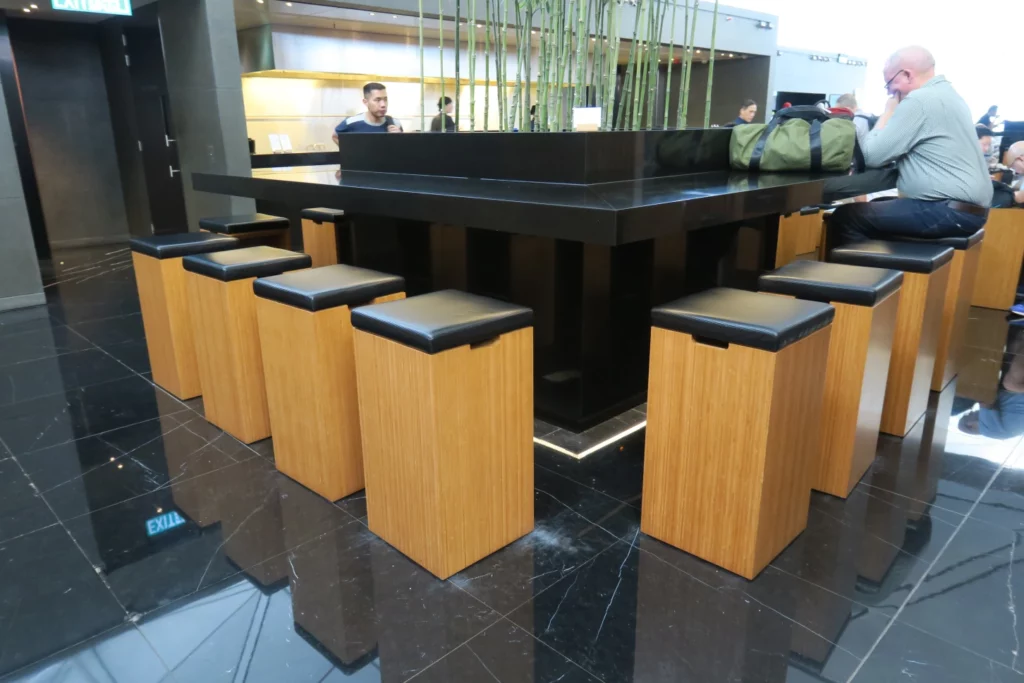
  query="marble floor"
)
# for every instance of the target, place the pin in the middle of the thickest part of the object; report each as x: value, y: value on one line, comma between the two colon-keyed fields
x: 139, y: 544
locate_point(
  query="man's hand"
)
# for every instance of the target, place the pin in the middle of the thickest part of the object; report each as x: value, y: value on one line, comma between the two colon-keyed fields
x: 394, y: 128
x: 890, y: 109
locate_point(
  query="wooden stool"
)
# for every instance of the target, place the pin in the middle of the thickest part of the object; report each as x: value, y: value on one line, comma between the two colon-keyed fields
x: 800, y: 235
x: 1002, y: 252
x: 445, y: 385
x: 227, y: 336
x: 733, y: 424
x: 252, y: 228
x: 957, y: 305
x: 918, y: 322
x: 320, y: 235
x: 309, y: 366
x: 866, y: 300
x: 160, y: 278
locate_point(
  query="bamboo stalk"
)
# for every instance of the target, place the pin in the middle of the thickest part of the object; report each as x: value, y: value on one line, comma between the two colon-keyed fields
x: 685, y: 100
x: 612, y: 65
x: 487, y: 63
x: 519, y: 71
x: 627, y: 82
x: 423, y: 87
x: 671, y: 47
x: 472, y: 65
x: 563, y: 64
x: 458, y: 51
x: 641, y: 59
x: 440, y: 51
x: 540, y: 119
x: 528, y: 39
x: 652, y: 79
x: 594, y: 82
x: 711, y: 67
x: 582, y: 31
x: 504, y: 66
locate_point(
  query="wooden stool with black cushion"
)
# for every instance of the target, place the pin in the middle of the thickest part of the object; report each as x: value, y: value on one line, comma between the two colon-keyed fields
x: 160, y: 278
x: 227, y: 334
x: 733, y: 424
x: 252, y: 228
x: 320, y: 235
x: 866, y: 300
x: 957, y: 305
x: 800, y: 236
x: 445, y: 384
x: 309, y: 367
x: 1002, y: 254
x: 918, y: 321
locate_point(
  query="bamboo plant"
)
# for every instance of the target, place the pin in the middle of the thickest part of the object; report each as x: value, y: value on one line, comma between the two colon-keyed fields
x: 711, y: 68
x: 684, y: 101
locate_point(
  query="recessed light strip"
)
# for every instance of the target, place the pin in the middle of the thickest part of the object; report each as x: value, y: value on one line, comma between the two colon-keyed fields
x: 607, y: 442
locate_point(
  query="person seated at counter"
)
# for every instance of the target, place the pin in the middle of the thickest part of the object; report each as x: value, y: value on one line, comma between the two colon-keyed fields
x: 375, y: 119
x: 1014, y: 160
x: 928, y: 130
x: 748, y: 110
x: 444, y: 108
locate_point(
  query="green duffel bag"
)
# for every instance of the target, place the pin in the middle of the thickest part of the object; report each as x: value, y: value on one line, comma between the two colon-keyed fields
x: 796, y: 139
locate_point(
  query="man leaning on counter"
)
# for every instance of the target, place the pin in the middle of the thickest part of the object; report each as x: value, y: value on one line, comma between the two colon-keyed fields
x: 375, y: 119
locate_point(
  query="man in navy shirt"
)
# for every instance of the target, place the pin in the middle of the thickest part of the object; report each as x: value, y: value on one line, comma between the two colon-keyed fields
x: 375, y: 120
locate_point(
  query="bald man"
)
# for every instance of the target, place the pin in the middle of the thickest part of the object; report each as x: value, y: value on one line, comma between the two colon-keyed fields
x: 1014, y: 158
x: 928, y: 131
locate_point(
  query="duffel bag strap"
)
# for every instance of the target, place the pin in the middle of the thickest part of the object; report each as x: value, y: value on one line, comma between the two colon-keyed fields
x: 755, y: 156
x: 815, y: 146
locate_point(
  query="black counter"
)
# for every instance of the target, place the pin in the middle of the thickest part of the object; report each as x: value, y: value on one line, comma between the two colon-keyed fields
x: 589, y: 230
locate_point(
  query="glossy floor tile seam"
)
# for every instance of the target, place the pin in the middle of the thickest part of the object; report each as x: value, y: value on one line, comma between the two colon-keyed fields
x: 112, y: 264
x: 916, y: 500
x: 584, y: 517
x: 575, y: 481
x: 35, y: 491
x: 49, y: 356
x: 923, y: 577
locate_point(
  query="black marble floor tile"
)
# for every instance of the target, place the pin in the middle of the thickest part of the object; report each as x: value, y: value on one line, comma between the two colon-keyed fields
x: 346, y: 604
x: 1003, y: 502
x: 50, y: 598
x: 112, y: 331
x: 46, y: 340
x: 183, y: 537
x: 22, y: 510
x: 56, y: 375
x: 78, y: 413
x: 970, y: 596
x: 629, y: 616
x: 616, y: 470
x: 504, y: 653
x: 24, y: 321
x: 120, y: 655
x: 907, y: 654
x: 134, y: 354
x: 75, y: 310
x: 354, y: 505
x: 83, y: 476
x: 617, y: 517
x: 561, y: 541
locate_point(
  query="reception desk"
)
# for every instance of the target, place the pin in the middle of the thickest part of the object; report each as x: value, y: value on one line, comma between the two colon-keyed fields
x: 591, y: 230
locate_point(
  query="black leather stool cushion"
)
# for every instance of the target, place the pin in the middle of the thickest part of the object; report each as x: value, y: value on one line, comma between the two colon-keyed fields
x: 828, y: 282
x: 910, y: 257
x: 734, y: 316
x: 323, y: 215
x: 239, y: 264
x: 442, y: 320
x: 318, y: 288
x: 959, y: 243
x: 183, y: 244
x: 250, y: 222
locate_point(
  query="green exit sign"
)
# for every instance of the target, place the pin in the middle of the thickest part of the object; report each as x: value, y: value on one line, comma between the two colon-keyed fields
x: 122, y: 7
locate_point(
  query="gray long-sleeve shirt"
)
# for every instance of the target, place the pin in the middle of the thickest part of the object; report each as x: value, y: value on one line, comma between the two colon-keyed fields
x: 932, y: 139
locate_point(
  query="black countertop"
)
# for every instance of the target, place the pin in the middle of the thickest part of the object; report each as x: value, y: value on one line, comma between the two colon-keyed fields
x: 609, y: 213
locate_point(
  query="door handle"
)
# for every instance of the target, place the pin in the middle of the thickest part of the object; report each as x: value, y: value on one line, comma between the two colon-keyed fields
x: 173, y: 170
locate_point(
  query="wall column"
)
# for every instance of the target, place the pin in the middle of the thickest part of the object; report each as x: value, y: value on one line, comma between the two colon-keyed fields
x: 204, y: 80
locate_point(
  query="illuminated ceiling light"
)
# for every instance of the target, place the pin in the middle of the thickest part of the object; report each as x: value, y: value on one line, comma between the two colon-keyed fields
x: 534, y: 32
x: 34, y: 6
x: 26, y: 9
x: 394, y: 16
x: 697, y: 52
x: 159, y: 510
x: 479, y: 25
x: 730, y: 54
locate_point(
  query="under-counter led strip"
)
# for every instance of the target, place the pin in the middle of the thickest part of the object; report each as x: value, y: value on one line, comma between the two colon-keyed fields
x: 607, y: 442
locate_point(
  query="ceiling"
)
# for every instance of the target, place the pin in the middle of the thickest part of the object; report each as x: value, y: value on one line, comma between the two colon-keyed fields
x: 16, y: 9
x: 253, y: 13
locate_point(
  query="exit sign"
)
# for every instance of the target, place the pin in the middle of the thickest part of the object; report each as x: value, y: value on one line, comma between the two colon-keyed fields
x: 122, y: 7
x: 165, y: 522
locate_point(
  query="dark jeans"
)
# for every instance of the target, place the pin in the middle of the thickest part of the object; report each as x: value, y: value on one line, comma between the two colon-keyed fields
x: 861, y: 221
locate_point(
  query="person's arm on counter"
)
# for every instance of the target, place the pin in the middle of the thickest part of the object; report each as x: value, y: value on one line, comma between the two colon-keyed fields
x: 895, y: 134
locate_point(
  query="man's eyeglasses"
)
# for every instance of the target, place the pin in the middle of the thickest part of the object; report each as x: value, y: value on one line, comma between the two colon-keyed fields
x: 895, y: 76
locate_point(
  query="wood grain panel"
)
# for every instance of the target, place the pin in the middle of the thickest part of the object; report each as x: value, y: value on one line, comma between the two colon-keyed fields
x: 1002, y: 252
x: 228, y: 350
x: 447, y: 446
x: 320, y: 241
x: 163, y: 299
x: 858, y: 365
x: 979, y: 373
x: 311, y: 395
x: 711, y: 440
x: 799, y: 236
x: 955, y: 311
x: 914, y: 342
